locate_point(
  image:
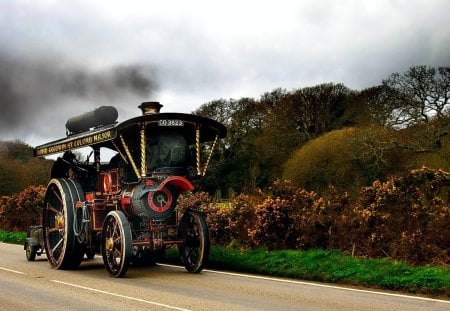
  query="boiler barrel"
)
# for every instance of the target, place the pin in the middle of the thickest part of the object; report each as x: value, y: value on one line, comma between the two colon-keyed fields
x: 103, y: 115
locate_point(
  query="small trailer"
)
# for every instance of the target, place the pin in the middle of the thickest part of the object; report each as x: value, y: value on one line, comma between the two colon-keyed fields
x: 34, y: 244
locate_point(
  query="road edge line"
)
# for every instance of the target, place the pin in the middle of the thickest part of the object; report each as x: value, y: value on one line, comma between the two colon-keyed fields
x: 260, y: 277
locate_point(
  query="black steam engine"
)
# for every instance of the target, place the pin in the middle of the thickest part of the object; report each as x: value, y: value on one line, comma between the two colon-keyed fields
x: 126, y: 209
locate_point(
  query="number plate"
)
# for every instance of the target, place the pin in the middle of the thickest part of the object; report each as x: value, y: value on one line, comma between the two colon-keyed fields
x: 170, y: 122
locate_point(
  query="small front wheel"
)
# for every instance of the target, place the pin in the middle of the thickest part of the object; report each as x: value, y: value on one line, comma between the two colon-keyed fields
x: 194, y: 250
x: 116, y: 243
x: 29, y: 252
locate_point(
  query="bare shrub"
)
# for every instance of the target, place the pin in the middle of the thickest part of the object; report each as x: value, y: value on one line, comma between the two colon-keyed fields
x: 406, y: 218
x: 23, y: 209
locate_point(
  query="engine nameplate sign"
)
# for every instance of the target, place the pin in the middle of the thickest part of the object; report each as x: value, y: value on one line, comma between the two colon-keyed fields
x: 170, y: 122
x: 73, y: 142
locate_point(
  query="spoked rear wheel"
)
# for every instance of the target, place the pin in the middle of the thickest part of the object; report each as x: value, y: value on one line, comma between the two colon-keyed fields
x: 61, y: 246
x: 194, y: 250
x: 116, y: 243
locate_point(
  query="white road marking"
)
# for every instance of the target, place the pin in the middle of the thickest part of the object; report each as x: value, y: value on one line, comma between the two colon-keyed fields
x: 259, y: 277
x: 120, y: 296
x: 13, y: 271
x: 243, y: 276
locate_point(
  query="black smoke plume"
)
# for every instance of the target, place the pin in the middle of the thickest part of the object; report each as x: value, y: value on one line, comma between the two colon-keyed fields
x: 34, y: 92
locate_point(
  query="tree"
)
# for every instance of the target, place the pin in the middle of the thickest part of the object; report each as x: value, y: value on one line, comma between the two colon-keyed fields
x: 422, y: 94
x: 220, y: 110
x: 369, y: 107
x: 347, y: 159
x: 319, y: 109
x: 19, y: 169
x: 293, y: 119
x: 420, y: 98
x: 263, y: 133
x: 237, y: 169
x: 406, y: 115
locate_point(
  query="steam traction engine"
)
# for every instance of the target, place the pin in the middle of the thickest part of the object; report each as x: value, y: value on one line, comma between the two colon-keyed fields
x: 125, y: 209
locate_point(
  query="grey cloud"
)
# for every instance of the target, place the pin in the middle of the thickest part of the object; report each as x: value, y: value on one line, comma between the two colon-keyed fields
x: 202, y: 51
x: 35, y: 91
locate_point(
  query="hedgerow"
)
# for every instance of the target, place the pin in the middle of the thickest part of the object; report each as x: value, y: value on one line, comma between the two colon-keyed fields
x: 21, y: 210
x: 405, y: 218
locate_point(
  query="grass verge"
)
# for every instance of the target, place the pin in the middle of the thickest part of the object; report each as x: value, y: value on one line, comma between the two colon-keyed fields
x: 333, y: 267
x: 12, y: 237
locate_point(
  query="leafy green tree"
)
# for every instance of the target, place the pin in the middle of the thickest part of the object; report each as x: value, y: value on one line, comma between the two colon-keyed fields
x: 293, y: 119
x: 438, y: 159
x: 220, y: 110
x: 321, y: 108
x: 236, y: 170
x: 262, y: 134
x: 369, y: 107
x: 347, y: 159
x: 19, y: 169
x: 7, y: 181
x: 16, y: 150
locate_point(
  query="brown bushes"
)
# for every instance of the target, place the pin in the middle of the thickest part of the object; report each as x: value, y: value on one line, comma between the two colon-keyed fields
x: 19, y: 211
x: 405, y: 218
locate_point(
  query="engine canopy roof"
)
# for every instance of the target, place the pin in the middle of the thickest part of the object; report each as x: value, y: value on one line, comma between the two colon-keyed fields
x: 107, y: 136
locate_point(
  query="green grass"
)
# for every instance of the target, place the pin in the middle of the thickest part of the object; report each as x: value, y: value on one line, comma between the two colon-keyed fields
x: 333, y: 267
x: 12, y: 237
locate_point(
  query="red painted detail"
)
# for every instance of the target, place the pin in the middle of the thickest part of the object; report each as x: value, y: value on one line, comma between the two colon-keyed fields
x: 107, y: 182
x: 125, y: 201
x: 90, y: 197
x: 160, y: 200
x: 149, y: 182
x: 178, y: 182
x: 79, y: 204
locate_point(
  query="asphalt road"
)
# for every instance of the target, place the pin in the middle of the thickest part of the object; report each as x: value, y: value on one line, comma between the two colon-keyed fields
x: 36, y: 286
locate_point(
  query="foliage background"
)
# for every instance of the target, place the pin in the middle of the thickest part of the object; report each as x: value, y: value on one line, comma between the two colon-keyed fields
x: 351, y: 158
x: 330, y: 135
x: 405, y: 218
x: 19, y: 169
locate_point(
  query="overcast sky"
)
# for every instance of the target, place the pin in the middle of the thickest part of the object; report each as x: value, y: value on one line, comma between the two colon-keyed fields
x: 61, y: 58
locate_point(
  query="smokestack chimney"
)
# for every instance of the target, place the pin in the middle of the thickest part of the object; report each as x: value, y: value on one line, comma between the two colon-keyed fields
x: 150, y: 107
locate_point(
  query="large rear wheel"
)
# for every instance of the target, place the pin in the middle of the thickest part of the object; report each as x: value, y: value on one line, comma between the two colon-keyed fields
x: 61, y: 246
x: 194, y: 250
x: 116, y: 243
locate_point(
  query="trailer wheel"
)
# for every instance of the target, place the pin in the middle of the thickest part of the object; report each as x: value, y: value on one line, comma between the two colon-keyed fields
x: 90, y: 253
x: 29, y: 252
x: 61, y: 246
x: 194, y: 250
x: 116, y: 243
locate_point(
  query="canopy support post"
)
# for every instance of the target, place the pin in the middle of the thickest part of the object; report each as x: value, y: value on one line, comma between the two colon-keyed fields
x: 210, y: 154
x: 197, y: 148
x: 143, y: 153
x: 133, y: 164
